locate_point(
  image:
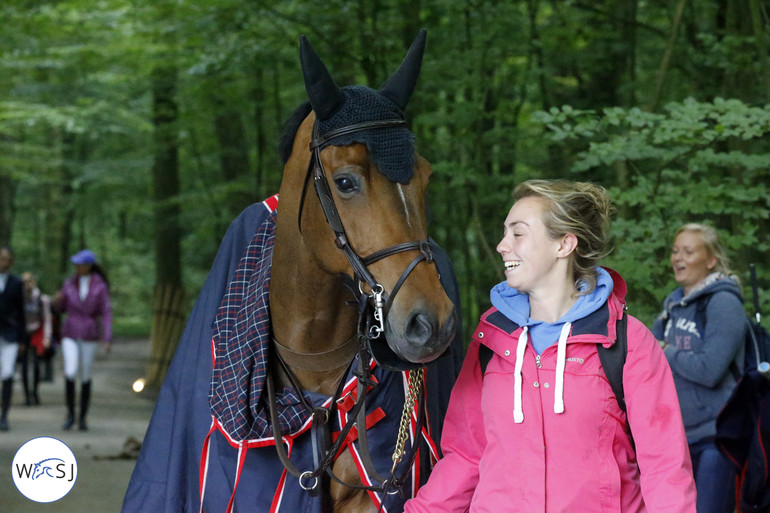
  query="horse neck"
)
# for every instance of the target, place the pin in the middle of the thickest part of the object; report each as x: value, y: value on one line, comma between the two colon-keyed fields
x: 310, y: 309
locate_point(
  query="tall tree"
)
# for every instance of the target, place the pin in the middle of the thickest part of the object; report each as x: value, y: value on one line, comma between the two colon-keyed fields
x: 165, y: 172
x: 7, y: 193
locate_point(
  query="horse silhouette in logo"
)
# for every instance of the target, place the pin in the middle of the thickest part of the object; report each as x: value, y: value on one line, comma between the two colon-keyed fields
x: 44, y: 467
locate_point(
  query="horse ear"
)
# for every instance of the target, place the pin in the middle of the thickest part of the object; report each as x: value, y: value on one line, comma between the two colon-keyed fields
x: 324, y: 94
x: 400, y: 86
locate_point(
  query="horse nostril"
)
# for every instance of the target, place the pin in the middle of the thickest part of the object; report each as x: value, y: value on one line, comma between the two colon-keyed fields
x: 448, y: 331
x: 420, y: 328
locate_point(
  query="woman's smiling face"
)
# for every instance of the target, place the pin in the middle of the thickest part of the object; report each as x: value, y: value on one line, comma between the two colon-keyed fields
x: 690, y: 260
x: 529, y: 254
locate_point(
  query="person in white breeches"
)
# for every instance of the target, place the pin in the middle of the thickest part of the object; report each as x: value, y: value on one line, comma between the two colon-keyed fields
x: 85, y: 299
x: 12, y: 329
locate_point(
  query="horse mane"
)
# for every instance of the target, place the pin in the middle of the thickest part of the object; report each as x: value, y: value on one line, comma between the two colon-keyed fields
x: 290, y: 128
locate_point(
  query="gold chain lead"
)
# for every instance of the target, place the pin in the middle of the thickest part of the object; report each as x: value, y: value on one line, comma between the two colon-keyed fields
x: 414, y: 385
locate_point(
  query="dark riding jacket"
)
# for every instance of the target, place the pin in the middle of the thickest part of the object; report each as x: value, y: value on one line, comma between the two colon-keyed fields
x: 12, y: 325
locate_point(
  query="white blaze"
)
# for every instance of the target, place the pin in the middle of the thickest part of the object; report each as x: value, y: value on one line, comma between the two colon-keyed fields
x: 403, y: 200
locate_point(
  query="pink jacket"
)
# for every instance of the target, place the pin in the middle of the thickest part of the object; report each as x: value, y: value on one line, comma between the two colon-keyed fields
x: 579, y: 460
x: 89, y: 319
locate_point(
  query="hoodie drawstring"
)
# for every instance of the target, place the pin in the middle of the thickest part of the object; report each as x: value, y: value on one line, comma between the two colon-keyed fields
x: 518, y: 412
x: 561, y: 358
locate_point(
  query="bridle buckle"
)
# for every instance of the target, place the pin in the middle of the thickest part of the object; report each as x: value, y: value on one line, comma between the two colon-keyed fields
x: 426, y: 250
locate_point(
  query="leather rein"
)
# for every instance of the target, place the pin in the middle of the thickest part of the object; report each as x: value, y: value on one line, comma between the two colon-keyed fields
x: 373, y: 310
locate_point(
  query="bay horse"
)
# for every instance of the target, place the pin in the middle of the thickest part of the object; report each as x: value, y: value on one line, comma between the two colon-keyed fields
x: 329, y: 308
x: 309, y: 299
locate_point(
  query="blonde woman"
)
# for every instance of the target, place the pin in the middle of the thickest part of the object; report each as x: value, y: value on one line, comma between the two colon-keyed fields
x: 540, y: 428
x: 702, y: 330
x: 37, y: 312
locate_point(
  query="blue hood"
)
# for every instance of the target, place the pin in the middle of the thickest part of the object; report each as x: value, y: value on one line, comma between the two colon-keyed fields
x: 515, y: 306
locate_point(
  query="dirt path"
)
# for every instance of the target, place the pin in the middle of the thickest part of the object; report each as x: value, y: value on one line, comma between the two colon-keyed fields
x: 117, y: 415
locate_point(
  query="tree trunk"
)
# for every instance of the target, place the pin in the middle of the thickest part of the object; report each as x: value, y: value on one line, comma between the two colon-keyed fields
x: 66, y: 228
x: 743, y: 21
x: 165, y: 174
x: 761, y: 40
x: 233, y: 154
x: 259, y: 96
x: 557, y: 164
x: 166, y: 329
x: 7, y: 193
x: 666, y: 60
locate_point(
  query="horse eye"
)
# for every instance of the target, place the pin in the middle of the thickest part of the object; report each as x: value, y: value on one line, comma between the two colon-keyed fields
x: 345, y: 184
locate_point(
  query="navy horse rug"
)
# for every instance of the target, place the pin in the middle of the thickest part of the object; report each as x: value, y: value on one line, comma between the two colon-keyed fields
x: 222, y: 449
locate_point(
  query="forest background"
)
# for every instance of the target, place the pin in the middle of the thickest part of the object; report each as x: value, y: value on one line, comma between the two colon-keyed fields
x: 140, y: 129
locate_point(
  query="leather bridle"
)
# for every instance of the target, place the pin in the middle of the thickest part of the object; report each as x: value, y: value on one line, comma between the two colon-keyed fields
x: 373, y: 311
x: 361, y: 274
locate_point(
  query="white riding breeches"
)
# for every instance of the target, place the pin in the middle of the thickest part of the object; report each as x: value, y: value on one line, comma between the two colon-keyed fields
x: 78, y: 355
x: 8, y: 353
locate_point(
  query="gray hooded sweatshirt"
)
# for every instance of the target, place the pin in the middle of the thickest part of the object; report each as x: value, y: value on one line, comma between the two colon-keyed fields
x: 705, y: 331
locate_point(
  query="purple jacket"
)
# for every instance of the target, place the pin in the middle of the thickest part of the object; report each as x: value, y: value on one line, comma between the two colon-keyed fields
x: 83, y: 316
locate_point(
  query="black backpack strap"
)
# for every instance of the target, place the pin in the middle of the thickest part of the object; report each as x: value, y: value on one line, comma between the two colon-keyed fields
x: 700, y: 314
x: 700, y: 310
x: 485, y: 354
x: 614, y: 357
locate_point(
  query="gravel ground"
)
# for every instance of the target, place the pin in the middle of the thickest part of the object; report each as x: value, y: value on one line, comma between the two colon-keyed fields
x: 106, y: 453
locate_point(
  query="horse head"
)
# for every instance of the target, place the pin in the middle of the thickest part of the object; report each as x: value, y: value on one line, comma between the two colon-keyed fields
x: 357, y: 145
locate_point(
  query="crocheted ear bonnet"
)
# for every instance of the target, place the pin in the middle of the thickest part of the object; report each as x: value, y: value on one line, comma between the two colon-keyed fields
x: 391, y: 149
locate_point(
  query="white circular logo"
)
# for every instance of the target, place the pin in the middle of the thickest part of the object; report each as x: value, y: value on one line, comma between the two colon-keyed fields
x: 44, y: 469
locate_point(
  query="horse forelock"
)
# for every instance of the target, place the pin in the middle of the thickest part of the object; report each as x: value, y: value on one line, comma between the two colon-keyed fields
x: 391, y: 149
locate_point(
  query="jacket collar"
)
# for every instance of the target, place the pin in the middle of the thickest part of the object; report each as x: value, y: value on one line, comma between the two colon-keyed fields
x: 600, y: 322
x: 594, y: 323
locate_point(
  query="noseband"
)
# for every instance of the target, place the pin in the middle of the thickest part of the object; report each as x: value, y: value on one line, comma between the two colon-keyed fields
x: 361, y: 274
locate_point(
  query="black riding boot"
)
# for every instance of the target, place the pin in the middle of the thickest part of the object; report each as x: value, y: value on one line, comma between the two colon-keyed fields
x: 48, y: 366
x: 24, y: 358
x: 85, y: 398
x: 69, y: 396
x: 5, y: 403
x: 35, y: 379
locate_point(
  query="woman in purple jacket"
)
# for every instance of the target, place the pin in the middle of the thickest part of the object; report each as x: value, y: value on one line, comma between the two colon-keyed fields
x: 85, y: 299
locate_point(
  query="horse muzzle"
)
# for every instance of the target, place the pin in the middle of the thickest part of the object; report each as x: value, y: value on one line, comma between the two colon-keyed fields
x: 422, y: 337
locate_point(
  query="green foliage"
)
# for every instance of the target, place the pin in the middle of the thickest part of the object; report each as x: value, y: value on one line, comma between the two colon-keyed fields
x: 76, y: 124
x: 695, y: 162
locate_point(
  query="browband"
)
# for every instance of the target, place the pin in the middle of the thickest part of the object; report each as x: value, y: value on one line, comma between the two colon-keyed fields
x: 320, y: 140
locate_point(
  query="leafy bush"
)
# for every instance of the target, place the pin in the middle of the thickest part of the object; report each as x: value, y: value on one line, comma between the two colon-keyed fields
x: 694, y: 162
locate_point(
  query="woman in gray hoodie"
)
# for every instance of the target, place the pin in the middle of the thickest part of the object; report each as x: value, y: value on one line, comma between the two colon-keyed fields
x: 702, y: 330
